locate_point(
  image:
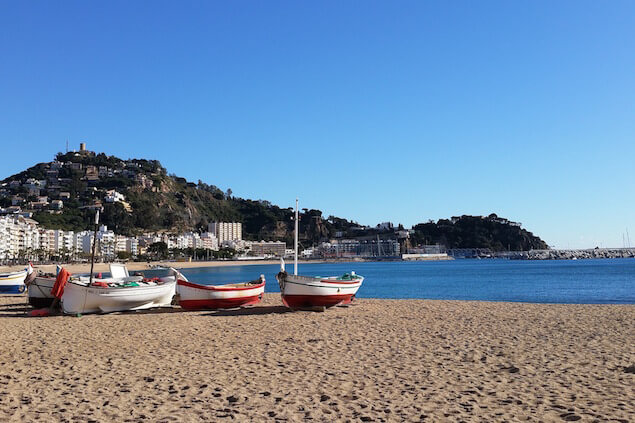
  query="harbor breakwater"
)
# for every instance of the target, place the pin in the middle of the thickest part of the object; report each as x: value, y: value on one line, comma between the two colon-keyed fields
x: 595, y: 253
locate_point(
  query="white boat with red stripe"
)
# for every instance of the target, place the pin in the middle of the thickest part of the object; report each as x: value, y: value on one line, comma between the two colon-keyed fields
x: 311, y: 292
x: 193, y: 296
x: 300, y: 292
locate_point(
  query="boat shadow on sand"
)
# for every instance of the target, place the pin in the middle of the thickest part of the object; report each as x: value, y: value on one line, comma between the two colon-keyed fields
x: 248, y: 311
x: 243, y: 311
x: 260, y: 310
x: 15, y: 309
x: 17, y: 313
x: 22, y: 310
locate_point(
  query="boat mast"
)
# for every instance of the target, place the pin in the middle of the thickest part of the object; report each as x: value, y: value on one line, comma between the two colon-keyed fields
x: 92, y: 256
x: 295, y: 241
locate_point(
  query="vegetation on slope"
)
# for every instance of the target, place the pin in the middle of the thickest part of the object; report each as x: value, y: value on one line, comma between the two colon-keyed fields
x: 170, y: 203
x: 497, y: 234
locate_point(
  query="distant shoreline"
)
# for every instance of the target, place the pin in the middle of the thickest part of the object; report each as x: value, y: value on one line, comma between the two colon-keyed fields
x: 144, y: 265
x: 140, y: 265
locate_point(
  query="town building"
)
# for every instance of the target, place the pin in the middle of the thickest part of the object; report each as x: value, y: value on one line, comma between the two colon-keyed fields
x: 226, y: 231
x: 268, y: 248
x: 113, y: 196
x: 19, y: 237
x: 121, y: 244
x: 63, y: 241
x: 106, y: 240
x: 209, y: 240
x: 132, y: 246
x: 351, y: 248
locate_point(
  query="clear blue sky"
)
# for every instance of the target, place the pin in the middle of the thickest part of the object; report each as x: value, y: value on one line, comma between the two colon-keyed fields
x: 373, y: 111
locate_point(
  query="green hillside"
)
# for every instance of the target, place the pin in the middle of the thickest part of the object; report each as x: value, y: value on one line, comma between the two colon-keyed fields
x: 158, y: 201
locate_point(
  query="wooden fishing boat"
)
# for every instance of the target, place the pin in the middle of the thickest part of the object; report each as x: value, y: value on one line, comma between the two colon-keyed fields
x: 311, y: 292
x: 193, y: 296
x: 39, y: 291
x: 40, y: 295
x: 121, y: 292
x: 299, y: 292
x: 13, y: 282
x: 103, y: 296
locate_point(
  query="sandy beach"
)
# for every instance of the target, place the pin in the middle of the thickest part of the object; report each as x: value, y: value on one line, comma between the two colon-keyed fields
x: 143, y: 265
x: 377, y: 360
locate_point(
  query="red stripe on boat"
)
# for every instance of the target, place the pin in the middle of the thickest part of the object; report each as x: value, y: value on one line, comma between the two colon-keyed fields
x: 219, y: 288
x: 340, y: 282
x: 300, y: 301
x: 219, y: 303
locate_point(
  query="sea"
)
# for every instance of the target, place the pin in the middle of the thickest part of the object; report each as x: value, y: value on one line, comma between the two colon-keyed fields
x: 596, y: 281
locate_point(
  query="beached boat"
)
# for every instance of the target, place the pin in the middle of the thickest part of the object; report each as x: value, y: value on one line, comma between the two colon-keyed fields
x: 300, y: 292
x: 193, y: 296
x: 39, y: 291
x: 13, y: 282
x: 309, y: 292
x: 105, y: 297
x: 120, y: 292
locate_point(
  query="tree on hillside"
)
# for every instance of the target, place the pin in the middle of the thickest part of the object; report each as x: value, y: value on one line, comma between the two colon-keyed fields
x: 158, y: 250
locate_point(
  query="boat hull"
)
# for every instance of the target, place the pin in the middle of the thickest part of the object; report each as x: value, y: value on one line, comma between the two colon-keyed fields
x: 205, y: 297
x: 40, y: 292
x: 309, y: 301
x: 81, y: 299
x: 300, y: 292
x: 13, y: 283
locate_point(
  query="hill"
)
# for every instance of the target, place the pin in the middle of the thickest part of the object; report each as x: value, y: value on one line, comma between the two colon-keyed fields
x: 493, y: 232
x: 153, y: 200
x: 138, y: 195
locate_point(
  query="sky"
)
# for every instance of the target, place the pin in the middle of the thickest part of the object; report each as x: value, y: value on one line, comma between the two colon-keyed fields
x: 372, y: 111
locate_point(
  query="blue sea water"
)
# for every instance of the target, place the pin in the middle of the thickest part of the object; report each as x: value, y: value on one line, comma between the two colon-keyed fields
x: 598, y: 281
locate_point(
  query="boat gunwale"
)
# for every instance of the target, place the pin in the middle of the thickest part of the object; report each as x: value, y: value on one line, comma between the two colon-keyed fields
x: 332, y: 286
x: 331, y: 280
x: 157, y: 283
x: 7, y: 276
x: 225, y: 287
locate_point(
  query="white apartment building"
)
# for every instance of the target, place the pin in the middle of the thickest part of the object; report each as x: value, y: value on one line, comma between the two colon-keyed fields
x: 63, y: 240
x: 20, y: 236
x: 29, y: 234
x: 17, y: 235
x: 84, y: 241
x: 197, y: 242
x: 184, y: 240
x: 121, y: 242
x: 226, y: 231
x: 47, y: 239
x: 113, y: 196
x: 209, y: 241
x: 148, y: 239
x: 132, y: 246
x: 8, y: 237
x: 106, y: 240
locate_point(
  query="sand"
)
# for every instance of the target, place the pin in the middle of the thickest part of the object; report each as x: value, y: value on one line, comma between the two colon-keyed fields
x: 378, y: 360
x: 144, y: 265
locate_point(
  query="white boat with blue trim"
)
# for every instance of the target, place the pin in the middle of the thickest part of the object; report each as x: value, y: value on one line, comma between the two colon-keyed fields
x: 13, y: 282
